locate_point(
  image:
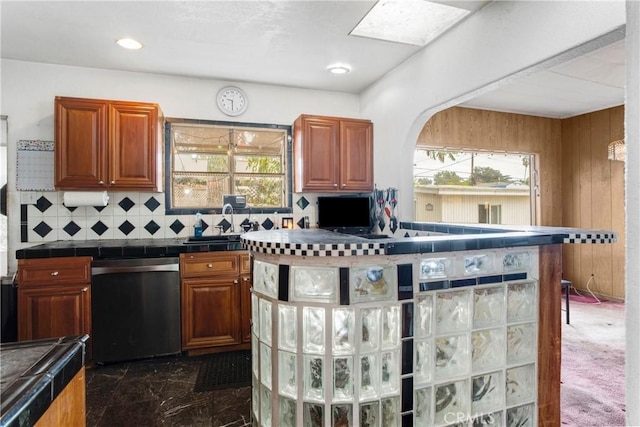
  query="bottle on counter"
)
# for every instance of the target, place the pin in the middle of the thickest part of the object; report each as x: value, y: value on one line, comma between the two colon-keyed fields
x: 197, y: 227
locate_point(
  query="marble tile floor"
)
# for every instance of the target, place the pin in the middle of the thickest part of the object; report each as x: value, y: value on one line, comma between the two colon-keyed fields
x: 159, y: 392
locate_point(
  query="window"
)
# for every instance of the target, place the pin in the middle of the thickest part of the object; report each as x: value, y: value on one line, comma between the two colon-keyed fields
x: 489, y: 214
x: 210, y: 159
x: 474, y: 187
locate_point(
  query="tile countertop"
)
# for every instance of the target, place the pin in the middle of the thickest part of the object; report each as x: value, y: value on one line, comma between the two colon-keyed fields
x: 133, y: 248
x: 445, y: 238
x: 34, y: 373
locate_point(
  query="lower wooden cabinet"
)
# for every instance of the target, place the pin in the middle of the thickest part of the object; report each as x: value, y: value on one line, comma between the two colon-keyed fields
x: 210, y: 312
x: 54, y: 298
x: 216, y: 301
x: 54, y: 311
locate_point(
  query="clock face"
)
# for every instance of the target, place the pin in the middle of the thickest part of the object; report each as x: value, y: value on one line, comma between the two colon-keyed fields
x: 232, y: 101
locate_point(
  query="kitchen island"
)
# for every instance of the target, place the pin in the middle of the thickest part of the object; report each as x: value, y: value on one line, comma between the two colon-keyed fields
x: 43, y: 382
x: 458, y: 324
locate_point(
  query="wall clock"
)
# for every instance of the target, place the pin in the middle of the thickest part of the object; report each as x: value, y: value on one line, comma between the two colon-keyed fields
x: 232, y: 100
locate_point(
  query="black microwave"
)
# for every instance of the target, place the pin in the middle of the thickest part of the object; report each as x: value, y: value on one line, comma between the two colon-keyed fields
x: 346, y: 214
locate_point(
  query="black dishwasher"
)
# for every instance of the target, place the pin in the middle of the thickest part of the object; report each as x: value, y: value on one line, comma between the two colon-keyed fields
x: 135, y: 308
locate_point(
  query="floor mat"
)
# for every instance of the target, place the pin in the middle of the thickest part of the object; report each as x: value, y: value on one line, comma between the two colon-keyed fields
x: 224, y: 370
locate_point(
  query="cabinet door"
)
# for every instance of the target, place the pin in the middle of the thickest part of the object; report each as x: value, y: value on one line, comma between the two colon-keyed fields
x: 80, y: 144
x: 245, y: 307
x: 133, y: 147
x: 316, y: 153
x: 356, y: 155
x: 211, y: 315
x: 53, y: 311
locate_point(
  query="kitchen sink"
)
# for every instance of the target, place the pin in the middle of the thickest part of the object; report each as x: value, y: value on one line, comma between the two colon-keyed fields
x: 222, y: 238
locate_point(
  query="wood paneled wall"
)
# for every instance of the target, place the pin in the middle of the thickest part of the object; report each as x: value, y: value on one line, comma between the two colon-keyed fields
x: 593, y: 197
x: 579, y: 186
x: 470, y: 129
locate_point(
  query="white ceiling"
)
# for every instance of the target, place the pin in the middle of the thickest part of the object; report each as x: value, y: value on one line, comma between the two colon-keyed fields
x: 588, y: 83
x: 289, y: 43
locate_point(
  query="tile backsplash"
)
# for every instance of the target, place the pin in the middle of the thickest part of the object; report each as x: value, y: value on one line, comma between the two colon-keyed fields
x: 140, y: 215
x: 133, y: 215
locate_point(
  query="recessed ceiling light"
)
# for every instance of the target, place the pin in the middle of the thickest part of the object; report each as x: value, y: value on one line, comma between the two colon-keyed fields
x: 129, y: 44
x: 339, y: 68
x: 414, y: 22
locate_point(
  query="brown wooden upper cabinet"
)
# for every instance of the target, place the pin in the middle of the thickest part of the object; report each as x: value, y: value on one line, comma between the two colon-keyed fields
x: 107, y: 145
x: 332, y: 154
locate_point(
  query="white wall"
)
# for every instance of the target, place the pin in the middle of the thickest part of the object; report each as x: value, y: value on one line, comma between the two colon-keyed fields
x: 632, y: 215
x: 28, y: 91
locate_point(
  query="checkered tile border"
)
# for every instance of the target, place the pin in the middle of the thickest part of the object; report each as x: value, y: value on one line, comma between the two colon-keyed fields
x: 317, y: 250
x: 590, y: 238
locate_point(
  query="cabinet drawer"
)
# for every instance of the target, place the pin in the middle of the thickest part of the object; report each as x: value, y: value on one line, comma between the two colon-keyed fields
x: 54, y: 271
x: 205, y: 264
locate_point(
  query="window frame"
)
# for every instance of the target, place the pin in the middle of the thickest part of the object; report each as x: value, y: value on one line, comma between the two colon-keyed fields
x: 168, y: 168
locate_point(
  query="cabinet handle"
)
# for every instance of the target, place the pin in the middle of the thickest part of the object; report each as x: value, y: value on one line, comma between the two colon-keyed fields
x: 112, y: 183
x: 209, y: 265
x: 246, y: 279
x: 85, y: 289
x: 344, y: 185
x: 335, y: 185
x: 235, y: 282
x: 101, y: 182
x: 54, y: 273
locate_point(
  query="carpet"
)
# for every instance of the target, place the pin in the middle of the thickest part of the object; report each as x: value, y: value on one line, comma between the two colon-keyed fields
x: 224, y: 370
x: 593, y: 385
x: 585, y: 298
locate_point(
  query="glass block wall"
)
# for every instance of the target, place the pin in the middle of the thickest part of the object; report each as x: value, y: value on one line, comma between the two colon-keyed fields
x: 448, y: 340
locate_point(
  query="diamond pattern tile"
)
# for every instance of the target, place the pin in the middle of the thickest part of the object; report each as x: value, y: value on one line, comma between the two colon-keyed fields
x: 71, y: 228
x: 99, y: 208
x: 302, y: 202
x: 176, y: 226
x: 152, y: 204
x: 204, y: 225
x: 43, y: 204
x: 225, y: 225
x: 267, y: 224
x: 300, y: 223
x: 126, y: 204
x: 126, y: 228
x: 99, y: 228
x: 71, y: 208
x: 245, y: 224
x: 42, y: 229
x: 152, y: 227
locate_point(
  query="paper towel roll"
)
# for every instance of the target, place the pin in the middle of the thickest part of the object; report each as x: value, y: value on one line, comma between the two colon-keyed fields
x: 85, y: 198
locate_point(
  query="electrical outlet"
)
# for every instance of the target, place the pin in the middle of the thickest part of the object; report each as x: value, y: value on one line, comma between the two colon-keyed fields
x: 28, y: 197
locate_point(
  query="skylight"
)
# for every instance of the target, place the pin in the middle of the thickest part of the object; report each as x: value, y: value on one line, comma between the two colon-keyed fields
x: 414, y: 22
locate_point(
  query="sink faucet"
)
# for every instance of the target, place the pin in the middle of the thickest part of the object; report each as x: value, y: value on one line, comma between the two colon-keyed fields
x: 224, y: 210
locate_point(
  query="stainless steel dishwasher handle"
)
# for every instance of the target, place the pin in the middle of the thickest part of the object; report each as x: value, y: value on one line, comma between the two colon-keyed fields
x: 96, y: 271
